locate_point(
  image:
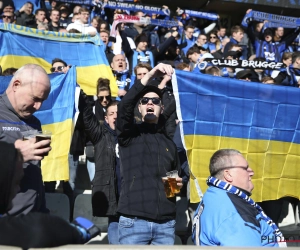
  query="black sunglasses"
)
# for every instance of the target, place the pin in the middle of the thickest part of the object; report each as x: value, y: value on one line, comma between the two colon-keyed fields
x: 59, y: 68
x: 101, y: 98
x: 9, y: 17
x: 155, y: 100
x: 213, y: 37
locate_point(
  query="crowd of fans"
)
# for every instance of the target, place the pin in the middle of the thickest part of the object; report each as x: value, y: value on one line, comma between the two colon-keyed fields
x: 135, y: 51
x: 185, y: 46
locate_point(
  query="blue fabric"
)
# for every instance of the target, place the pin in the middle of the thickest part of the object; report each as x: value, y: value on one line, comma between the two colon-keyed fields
x: 73, y: 165
x: 271, y: 51
x: 224, y: 226
x: 134, y: 231
x: 202, y: 15
x: 123, y: 80
x: 211, y: 46
x: 265, y: 113
x: 112, y: 230
x: 90, y: 168
x: 154, y: 39
x: 294, y: 72
x: 19, y: 3
x: 142, y: 57
x: 272, y: 18
x: 190, y: 43
x: 212, y: 181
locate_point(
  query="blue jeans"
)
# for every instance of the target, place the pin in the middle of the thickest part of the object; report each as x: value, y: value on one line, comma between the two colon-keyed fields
x: 135, y: 231
x: 69, y: 186
x: 90, y: 165
x: 112, y: 230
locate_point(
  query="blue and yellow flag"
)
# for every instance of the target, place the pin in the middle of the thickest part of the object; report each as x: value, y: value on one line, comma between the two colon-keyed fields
x: 261, y: 121
x: 21, y: 45
x: 56, y: 115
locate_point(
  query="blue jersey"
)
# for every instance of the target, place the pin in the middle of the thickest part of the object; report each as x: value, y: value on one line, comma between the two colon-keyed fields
x: 224, y: 219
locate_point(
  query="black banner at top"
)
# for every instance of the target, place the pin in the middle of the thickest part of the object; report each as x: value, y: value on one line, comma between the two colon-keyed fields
x: 274, y: 3
x: 233, y: 63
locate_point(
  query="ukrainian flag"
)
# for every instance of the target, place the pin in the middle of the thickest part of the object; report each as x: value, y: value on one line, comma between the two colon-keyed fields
x: 262, y: 121
x: 21, y: 45
x: 56, y: 115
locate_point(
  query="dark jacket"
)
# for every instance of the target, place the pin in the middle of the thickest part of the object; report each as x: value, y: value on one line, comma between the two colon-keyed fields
x: 99, y: 111
x: 33, y: 229
x: 78, y: 138
x: 53, y: 28
x: 31, y: 197
x: 146, y: 154
x: 36, y: 230
x: 228, y: 45
x: 25, y: 20
x: 104, y: 189
x: 169, y: 112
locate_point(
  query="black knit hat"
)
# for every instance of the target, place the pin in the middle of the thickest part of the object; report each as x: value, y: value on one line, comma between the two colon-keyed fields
x: 7, y: 4
x: 243, y: 74
x: 268, y: 32
x: 150, y: 88
x: 141, y: 38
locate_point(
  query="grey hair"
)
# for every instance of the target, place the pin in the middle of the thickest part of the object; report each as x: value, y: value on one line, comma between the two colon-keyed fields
x: 221, y: 159
x: 24, y: 70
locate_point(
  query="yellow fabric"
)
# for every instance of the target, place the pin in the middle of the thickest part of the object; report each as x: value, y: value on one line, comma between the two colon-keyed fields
x: 276, y: 173
x: 55, y: 165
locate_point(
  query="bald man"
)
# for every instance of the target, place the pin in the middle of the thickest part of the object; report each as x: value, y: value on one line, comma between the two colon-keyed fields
x: 27, y: 90
x: 122, y: 75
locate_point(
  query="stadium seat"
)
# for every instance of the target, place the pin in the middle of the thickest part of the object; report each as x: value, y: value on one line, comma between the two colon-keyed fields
x: 178, y: 240
x: 190, y: 241
x: 83, y: 208
x: 58, y: 204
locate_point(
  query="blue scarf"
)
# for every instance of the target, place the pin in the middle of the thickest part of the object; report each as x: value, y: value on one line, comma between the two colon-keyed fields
x: 203, y: 15
x: 130, y: 7
x: 212, y: 181
x: 123, y: 79
x: 281, y: 21
x: 293, y: 73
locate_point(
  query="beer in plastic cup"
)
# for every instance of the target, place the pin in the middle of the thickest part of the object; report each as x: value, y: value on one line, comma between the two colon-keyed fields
x: 167, y: 187
x: 172, y: 175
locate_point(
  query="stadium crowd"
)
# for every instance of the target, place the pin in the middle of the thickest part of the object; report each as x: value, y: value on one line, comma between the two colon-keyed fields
x: 139, y: 126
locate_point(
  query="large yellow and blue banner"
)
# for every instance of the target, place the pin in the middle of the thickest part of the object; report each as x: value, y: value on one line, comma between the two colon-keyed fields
x: 261, y: 121
x: 20, y: 45
x: 56, y: 115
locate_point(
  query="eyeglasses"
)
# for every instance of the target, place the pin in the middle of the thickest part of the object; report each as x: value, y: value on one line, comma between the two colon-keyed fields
x: 59, y: 68
x: 9, y: 17
x: 101, y: 98
x: 242, y: 167
x: 213, y: 37
x: 155, y: 100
